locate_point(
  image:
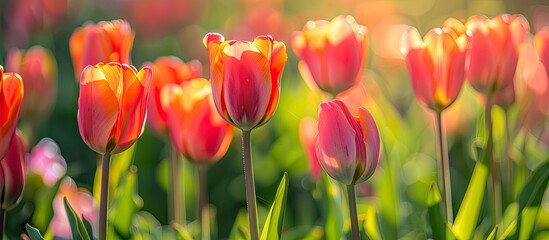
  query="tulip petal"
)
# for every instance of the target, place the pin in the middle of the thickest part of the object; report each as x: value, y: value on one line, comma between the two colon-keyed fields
x: 278, y: 60
x: 371, y: 141
x: 172, y: 99
x: 420, y: 67
x: 11, y: 97
x: 13, y: 168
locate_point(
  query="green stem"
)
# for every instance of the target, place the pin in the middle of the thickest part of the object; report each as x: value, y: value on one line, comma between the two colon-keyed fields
x: 178, y: 212
x: 494, y: 167
x: 351, y: 196
x: 104, y: 199
x: 444, y: 175
x: 508, y: 162
x: 203, y: 189
x: 250, y: 186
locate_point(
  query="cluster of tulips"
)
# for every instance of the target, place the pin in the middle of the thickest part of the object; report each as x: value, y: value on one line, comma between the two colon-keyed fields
x: 197, y: 116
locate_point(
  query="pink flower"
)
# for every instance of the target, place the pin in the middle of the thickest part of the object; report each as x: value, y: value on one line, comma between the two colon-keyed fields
x: 46, y: 161
x: 347, y: 146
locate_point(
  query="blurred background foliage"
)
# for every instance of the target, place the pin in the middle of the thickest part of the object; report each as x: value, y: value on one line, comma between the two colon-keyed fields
x: 397, y: 193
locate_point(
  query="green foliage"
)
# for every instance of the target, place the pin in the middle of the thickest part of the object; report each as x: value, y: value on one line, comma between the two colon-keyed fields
x: 78, y: 228
x: 34, y: 234
x: 273, y: 225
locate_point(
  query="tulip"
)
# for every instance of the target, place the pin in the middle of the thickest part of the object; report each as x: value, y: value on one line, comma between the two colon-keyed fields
x: 541, y: 42
x: 167, y: 70
x: 494, y: 50
x: 307, y: 135
x: 12, y: 177
x: 111, y: 115
x: 11, y: 95
x: 245, y: 88
x: 245, y: 78
x: 348, y: 148
x: 112, y: 106
x: 38, y: 69
x: 436, y: 65
x: 102, y: 42
x: 332, y: 53
x: 192, y: 114
x: 46, y: 161
x: 80, y: 200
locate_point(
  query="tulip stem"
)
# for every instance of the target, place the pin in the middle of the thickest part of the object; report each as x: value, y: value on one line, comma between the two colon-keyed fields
x: 444, y: 174
x: 2, y: 222
x: 351, y: 195
x: 203, y: 188
x: 250, y: 186
x: 178, y: 203
x: 104, y: 200
x: 494, y: 166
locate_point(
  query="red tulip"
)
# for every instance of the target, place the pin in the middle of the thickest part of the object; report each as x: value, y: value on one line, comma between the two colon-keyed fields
x: 332, y: 53
x: 347, y: 146
x: 167, y: 70
x: 80, y: 200
x: 112, y: 106
x: 196, y: 129
x: 11, y: 95
x: 494, y: 50
x: 245, y: 78
x: 307, y: 134
x: 38, y: 69
x: 13, y: 173
x: 102, y: 42
x: 436, y: 65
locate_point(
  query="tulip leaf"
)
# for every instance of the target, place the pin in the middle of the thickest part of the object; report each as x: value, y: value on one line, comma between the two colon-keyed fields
x: 435, y: 218
x: 530, y: 198
x: 469, y: 211
x: 273, y: 225
x: 125, y: 204
x: 88, y: 226
x: 78, y: 229
x: 239, y: 230
x: 492, y: 234
x: 332, y: 198
x: 34, y: 234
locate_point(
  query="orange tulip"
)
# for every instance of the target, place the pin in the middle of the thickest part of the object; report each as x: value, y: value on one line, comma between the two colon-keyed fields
x: 38, y: 69
x: 245, y: 78
x: 112, y: 106
x: 541, y: 42
x: 13, y: 173
x: 494, y: 50
x: 102, y: 42
x: 11, y: 95
x: 332, y: 53
x: 436, y: 65
x: 196, y: 129
x: 167, y: 70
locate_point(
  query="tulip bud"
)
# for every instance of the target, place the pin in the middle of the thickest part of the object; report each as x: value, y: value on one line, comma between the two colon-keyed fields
x: 13, y: 173
x: 196, y: 129
x: 332, y: 53
x: 112, y: 106
x: 38, y: 69
x: 347, y: 146
x: 245, y: 78
x: 11, y: 95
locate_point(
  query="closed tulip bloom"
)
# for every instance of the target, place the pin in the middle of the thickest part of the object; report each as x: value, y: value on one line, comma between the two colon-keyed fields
x: 13, y: 173
x: 110, y: 41
x: 38, y: 69
x: 195, y: 127
x: 494, y: 50
x: 245, y: 78
x: 436, y: 65
x: 112, y: 106
x: 347, y: 146
x: 167, y: 70
x: 332, y: 53
x: 11, y: 96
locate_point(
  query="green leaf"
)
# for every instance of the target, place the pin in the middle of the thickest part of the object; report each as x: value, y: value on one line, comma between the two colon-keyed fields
x: 33, y: 233
x: 125, y: 204
x: 492, y: 234
x: 469, y: 211
x: 239, y: 230
x: 88, y: 226
x: 44, y: 212
x: 77, y: 227
x: 435, y: 218
x: 332, y: 198
x: 273, y: 225
x: 529, y: 200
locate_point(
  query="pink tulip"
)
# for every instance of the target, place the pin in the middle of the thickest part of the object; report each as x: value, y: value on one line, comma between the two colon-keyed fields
x: 332, y: 53
x: 436, y: 65
x: 167, y: 70
x: 347, y: 146
x: 307, y: 134
x: 494, y: 50
x: 12, y: 173
x: 46, y: 161
x: 80, y: 200
x: 245, y: 78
